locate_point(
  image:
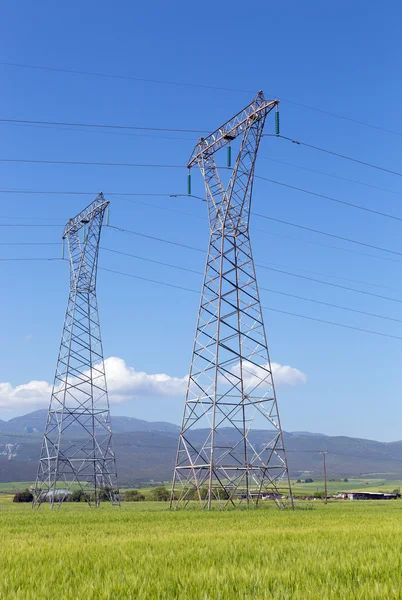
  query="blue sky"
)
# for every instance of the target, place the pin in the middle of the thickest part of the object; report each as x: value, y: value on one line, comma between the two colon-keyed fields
x: 342, y: 59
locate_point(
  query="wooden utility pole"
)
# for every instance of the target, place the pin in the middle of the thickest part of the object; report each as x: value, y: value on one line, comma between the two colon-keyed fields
x: 324, y: 452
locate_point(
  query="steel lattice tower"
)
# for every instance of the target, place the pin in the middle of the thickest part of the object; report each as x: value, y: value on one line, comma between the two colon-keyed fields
x: 230, y: 379
x: 77, y: 444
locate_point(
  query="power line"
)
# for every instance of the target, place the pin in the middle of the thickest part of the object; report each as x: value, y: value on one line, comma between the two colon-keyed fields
x: 344, y: 156
x: 326, y: 174
x: 103, y: 126
x: 264, y: 307
x: 28, y: 259
x: 338, y: 237
x: 330, y: 198
x: 126, y: 77
x: 87, y: 163
x: 361, y: 312
x: 265, y: 266
x: 261, y: 288
x: 358, y: 281
x: 156, y: 262
x: 339, y: 248
x: 196, y: 291
x: 178, y: 287
x: 188, y: 247
x: 158, y: 239
x: 75, y: 193
x: 204, y: 86
x: 337, y: 285
x: 28, y: 225
x: 351, y: 240
x: 179, y: 195
x: 154, y: 166
x: 102, y: 131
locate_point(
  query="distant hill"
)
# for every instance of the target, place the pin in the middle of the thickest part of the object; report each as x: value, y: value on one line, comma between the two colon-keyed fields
x: 146, y: 451
x: 34, y: 422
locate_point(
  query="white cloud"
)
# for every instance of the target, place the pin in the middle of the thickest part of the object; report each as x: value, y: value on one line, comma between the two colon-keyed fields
x: 125, y: 383
x: 258, y: 376
x: 30, y: 395
x: 286, y: 375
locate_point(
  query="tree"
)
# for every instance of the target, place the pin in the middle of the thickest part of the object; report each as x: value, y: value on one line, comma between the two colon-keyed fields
x: 133, y: 496
x: 159, y: 494
x: 346, y: 480
x: 298, y: 481
x: 24, y: 496
x: 308, y: 480
x: 77, y: 496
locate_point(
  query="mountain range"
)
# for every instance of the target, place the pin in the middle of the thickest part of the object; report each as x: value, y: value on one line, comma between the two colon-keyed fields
x: 145, y: 451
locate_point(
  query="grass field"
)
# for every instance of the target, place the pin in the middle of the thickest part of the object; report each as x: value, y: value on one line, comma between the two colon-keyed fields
x: 366, y: 484
x: 345, y: 550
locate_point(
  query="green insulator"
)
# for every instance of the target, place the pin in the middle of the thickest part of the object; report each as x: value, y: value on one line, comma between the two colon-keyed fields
x: 189, y: 183
x: 107, y: 215
x: 229, y: 156
x: 277, y: 123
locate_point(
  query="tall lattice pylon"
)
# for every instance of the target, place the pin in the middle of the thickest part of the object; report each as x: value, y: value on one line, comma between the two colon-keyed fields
x: 77, y: 447
x: 230, y: 380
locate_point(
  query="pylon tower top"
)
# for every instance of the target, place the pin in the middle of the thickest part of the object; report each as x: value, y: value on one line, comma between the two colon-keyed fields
x: 257, y: 109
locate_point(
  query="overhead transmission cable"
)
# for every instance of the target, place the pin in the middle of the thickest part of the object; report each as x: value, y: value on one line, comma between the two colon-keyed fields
x: 203, y: 86
x: 195, y: 249
x: 332, y: 175
x: 171, y: 285
x: 330, y: 198
x: 103, y: 126
x: 152, y: 165
x: 344, y: 156
x: 178, y: 195
x: 146, y: 259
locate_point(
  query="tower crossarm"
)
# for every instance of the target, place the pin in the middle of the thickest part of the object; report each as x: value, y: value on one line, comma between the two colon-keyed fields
x: 96, y: 207
x: 237, y: 125
x: 84, y: 250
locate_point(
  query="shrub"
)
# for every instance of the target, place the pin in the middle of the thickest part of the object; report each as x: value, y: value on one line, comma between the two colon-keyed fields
x: 159, y: 494
x: 133, y: 496
x: 24, y: 496
x: 221, y: 494
x: 77, y: 496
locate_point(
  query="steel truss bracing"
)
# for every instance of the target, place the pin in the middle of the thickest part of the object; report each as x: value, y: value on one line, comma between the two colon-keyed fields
x: 230, y: 381
x: 77, y: 449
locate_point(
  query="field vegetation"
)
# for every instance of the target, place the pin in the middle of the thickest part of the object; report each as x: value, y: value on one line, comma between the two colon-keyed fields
x: 142, y: 550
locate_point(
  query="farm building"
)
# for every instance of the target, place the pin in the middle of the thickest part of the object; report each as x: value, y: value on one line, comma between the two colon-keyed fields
x: 56, y: 495
x: 367, y: 496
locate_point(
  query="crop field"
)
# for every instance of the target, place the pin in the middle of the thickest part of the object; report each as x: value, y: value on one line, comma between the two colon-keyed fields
x: 142, y: 550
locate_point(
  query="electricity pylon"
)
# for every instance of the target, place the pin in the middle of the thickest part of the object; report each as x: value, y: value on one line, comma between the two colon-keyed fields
x: 77, y: 447
x: 230, y: 380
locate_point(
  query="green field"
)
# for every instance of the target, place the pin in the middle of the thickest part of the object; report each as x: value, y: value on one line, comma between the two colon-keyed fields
x: 142, y: 550
x: 366, y: 484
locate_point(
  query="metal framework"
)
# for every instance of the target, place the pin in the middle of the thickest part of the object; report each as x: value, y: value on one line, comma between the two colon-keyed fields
x: 230, y: 380
x: 77, y: 445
